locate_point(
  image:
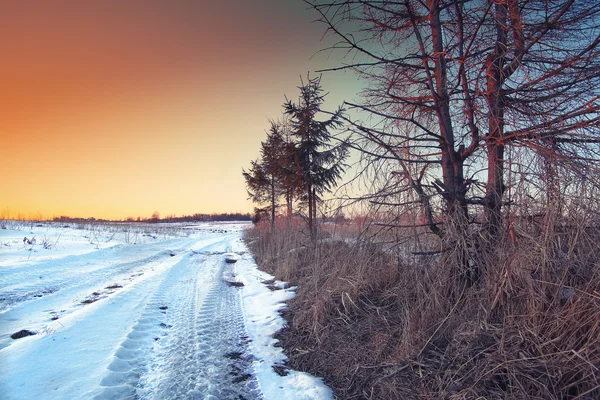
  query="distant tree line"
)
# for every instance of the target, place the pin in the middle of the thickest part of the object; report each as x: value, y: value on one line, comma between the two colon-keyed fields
x: 208, y: 217
x: 170, y: 218
x: 298, y: 161
x: 65, y: 218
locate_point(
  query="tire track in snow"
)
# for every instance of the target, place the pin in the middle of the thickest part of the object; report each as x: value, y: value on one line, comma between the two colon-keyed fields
x: 223, y: 341
x: 81, y: 282
x: 176, y: 362
x: 131, y: 358
x: 194, y: 349
x: 55, y: 275
x: 88, y: 336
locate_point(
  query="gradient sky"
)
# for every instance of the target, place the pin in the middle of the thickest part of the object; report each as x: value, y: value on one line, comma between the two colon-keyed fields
x: 122, y: 108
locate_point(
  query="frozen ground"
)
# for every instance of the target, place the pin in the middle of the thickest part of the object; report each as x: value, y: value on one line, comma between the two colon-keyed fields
x: 140, y: 312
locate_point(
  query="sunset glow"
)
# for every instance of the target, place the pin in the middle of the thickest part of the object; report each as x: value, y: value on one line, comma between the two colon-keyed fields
x: 117, y: 109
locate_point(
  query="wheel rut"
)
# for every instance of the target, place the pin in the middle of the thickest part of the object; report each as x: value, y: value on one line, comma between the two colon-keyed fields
x: 190, y: 341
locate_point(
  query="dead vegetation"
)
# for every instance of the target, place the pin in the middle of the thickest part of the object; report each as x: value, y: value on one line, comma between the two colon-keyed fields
x: 475, y: 272
x: 234, y: 283
x: 22, y: 333
x: 378, y: 323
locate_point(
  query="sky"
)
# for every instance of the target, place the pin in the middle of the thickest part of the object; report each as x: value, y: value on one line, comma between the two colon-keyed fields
x: 117, y: 109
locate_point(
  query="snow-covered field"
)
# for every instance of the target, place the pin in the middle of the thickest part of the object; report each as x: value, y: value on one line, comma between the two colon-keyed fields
x: 125, y: 311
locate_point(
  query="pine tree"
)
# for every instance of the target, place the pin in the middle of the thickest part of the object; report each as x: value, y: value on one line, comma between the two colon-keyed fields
x: 320, y: 164
x: 266, y: 179
x: 289, y: 167
x: 257, y: 184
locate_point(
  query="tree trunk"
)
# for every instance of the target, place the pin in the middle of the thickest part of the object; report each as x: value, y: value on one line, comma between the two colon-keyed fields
x: 310, y: 209
x: 452, y: 163
x: 455, y: 236
x: 494, y: 142
x: 314, y: 198
x: 289, y: 200
x: 272, y: 200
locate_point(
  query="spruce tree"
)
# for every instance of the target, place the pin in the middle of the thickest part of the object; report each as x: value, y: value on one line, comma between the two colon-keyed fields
x: 320, y: 163
x: 265, y: 179
x: 257, y: 184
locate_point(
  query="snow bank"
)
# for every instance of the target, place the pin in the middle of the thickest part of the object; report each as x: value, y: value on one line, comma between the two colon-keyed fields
x: 262, y: 319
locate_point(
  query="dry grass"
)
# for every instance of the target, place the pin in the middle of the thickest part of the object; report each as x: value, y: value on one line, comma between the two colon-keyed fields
x: 378, y: 326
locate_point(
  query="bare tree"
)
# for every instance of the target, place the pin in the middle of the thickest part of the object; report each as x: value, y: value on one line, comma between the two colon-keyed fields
x: 453, y: 83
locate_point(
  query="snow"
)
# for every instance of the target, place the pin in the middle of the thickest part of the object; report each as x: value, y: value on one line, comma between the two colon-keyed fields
x: 140, y: 311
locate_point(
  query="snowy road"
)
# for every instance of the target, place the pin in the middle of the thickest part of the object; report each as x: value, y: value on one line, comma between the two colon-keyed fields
x: 163, y: 319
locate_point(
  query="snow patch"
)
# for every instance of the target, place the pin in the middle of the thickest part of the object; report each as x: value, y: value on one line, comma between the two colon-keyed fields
x: 262, y: 319
x: 130, y: 312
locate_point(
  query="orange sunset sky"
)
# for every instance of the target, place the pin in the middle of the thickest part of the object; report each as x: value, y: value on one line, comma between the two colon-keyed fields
x: 122, y: 108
